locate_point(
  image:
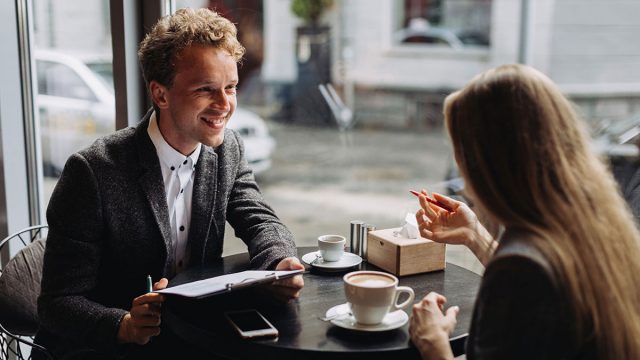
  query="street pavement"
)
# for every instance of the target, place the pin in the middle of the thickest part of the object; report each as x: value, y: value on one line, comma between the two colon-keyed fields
x: 321, y: 179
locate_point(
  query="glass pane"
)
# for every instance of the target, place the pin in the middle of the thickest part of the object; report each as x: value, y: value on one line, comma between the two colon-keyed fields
x: 342, y: 153
x: 353, y: 147
x: 60, y: 80
x: 456, y: 24
x: 75, y: 99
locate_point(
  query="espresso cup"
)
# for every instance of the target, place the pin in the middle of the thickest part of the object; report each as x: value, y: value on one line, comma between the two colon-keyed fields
x: 331, y: 247
x: 373, y: 294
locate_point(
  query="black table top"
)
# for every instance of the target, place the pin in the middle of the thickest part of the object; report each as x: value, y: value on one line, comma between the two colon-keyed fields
x: 302, y: 334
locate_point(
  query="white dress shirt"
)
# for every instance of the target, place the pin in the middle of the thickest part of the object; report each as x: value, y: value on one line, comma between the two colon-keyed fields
x: 178, y: 173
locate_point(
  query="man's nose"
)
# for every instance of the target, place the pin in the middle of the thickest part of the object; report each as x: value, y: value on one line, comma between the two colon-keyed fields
x: 220, y: 101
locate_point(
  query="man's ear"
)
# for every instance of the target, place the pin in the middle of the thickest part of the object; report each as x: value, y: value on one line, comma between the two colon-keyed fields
x: 158, y: 94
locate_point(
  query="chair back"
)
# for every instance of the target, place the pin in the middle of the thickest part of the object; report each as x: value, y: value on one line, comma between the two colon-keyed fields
x: 19, y: 290
x: 21, y: 238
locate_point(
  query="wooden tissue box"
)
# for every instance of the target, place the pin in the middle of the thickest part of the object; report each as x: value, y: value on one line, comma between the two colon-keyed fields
x: 402, y: 256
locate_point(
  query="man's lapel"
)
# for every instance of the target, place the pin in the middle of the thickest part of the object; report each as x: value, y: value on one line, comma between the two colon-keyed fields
x: 202, y: 203
x: 153, y: 186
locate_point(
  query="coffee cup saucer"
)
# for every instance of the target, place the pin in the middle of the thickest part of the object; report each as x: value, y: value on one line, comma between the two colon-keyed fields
x: 346, y: 261
x: 343, y: 318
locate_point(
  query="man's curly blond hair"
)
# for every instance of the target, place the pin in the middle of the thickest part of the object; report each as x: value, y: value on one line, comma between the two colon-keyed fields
x: 173, y: 33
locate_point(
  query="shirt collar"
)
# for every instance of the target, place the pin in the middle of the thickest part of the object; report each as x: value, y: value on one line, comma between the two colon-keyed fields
x: 168, y: 156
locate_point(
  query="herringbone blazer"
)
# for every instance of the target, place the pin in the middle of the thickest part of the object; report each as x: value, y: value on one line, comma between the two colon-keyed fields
x: 109, y: 228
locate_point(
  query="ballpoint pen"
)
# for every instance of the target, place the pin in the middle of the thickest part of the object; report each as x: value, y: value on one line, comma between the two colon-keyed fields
x: 149, y: 284
x: 433, y: 201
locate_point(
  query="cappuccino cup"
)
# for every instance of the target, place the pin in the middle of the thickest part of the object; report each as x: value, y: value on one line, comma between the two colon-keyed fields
x: 331, y: 247
x: 373, y: 294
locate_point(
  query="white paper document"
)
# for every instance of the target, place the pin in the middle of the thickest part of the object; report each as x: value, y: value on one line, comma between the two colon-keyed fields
x: 226, y: 283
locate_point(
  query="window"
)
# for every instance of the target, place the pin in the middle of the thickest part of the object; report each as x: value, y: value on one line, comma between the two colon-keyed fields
x: 104, y: 70
x: 330, y: 164
x: 56, y: 79
x: 75, y: 102
x: 351, y: 148
x: 452, y: 23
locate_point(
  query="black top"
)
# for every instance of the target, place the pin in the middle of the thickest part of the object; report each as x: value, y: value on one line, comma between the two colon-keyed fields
x: 522, y: 311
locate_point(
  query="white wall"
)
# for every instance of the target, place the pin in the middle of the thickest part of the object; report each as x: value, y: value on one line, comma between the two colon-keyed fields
x: 596, y: 45
x: 379, y: 62
x: 279, y: 42
x: 88, y: 27
x: 581, y: 44
x: 366, y: 27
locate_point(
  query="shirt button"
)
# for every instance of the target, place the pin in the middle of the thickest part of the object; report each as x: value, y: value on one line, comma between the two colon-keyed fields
x: 185, y: 162
x: 181, y: 191
x: 173, y: 168
x: 181, y: 228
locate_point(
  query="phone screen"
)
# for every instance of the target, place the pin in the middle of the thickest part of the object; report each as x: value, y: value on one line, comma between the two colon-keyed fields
x: 250, y: 323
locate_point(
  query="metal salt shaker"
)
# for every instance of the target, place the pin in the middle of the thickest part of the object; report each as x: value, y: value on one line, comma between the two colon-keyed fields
x: 355, y: 239
x: 364, y: 234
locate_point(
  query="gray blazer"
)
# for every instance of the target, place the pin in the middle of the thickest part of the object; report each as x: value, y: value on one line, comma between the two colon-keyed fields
x: 109, y: 228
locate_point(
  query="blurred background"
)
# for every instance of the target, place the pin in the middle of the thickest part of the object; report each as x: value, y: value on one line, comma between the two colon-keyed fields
x: 340, y: 101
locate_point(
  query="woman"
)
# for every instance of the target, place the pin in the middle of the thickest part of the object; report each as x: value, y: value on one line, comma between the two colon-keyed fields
x: 561, y: 281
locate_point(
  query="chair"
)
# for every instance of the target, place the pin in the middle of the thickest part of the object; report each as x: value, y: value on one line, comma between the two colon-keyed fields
x: 342, y: 113
x: 19, y: 289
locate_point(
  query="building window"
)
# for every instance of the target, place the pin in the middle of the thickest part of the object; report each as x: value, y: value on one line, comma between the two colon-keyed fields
x: 451, y: 23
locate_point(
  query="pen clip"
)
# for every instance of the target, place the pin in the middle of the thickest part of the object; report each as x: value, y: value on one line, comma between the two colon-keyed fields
x: 230, y: 286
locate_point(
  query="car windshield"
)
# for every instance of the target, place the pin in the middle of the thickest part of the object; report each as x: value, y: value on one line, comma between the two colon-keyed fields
x: 104, y: 70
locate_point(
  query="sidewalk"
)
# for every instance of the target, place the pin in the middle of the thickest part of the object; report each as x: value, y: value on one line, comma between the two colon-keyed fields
x: 321, y: 179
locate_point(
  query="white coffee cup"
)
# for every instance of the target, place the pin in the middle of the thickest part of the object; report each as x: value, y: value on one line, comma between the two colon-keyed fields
x: 373, y: 294
x: 331, y: 247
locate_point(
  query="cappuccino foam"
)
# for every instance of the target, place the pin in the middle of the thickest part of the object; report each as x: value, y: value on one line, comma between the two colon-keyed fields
x: 371, y: 280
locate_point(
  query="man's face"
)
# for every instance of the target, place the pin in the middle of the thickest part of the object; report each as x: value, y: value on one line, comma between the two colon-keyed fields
x: 198, y: 106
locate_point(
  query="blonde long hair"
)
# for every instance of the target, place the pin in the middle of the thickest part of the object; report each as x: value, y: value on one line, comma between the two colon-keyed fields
x: 525, y: 157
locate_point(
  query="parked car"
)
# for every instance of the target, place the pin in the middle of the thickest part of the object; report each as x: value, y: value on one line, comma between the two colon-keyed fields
x: 420, y: 31
x: 76, y: 105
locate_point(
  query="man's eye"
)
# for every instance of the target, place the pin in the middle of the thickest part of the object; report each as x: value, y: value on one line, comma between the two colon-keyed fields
x: 204, y: 89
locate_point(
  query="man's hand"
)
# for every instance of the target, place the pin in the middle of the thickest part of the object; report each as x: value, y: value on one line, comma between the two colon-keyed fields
x: 143, y: 320
x: 287, y: 289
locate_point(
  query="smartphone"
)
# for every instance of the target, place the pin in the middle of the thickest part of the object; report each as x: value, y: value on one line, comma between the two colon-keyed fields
x: 251, y: 324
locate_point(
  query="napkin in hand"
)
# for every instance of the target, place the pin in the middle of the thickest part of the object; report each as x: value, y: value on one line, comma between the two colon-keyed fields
x: 409, y: 229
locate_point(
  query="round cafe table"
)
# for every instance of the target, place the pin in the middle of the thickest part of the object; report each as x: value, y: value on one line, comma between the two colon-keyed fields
x: 302, y: 335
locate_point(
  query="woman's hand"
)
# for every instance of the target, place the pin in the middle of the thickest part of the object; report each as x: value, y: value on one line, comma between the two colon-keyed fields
x: 437, y: 224
x: 430, y: 327
x: 458, y: 227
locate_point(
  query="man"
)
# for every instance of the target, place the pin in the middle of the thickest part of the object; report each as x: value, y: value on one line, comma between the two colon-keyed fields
x: 154, y: 199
